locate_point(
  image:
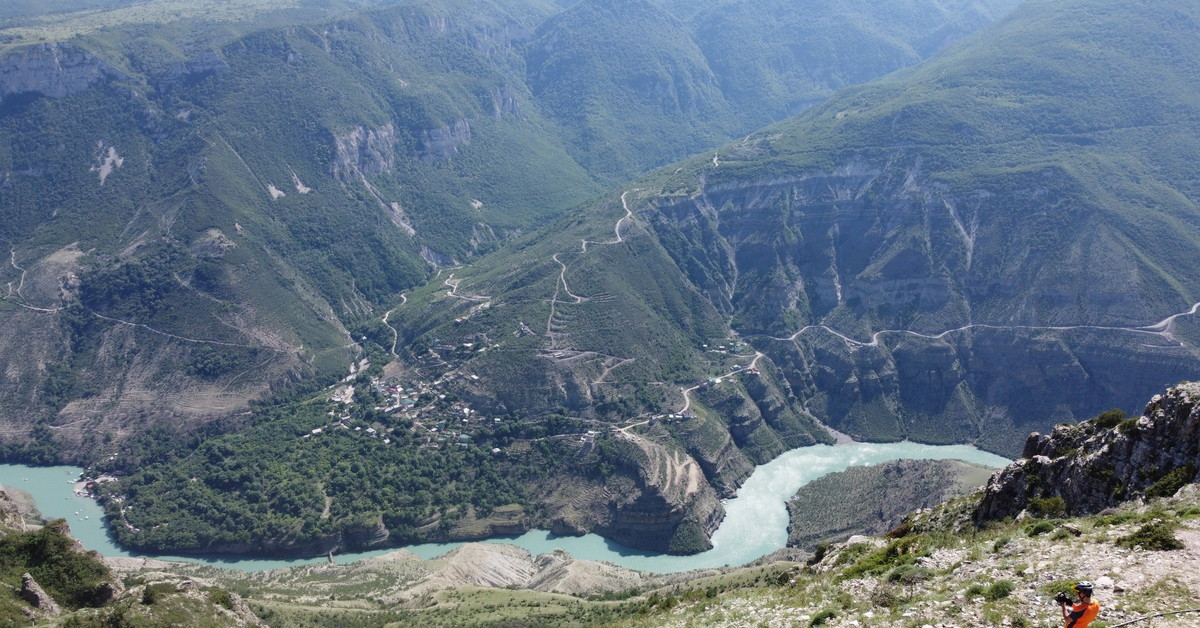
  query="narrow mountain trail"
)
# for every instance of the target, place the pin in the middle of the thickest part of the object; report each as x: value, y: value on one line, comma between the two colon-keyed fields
x: 553, y: 332
x: 191, y: 340
x: 1166, y: 326
x: 1162, y: 329
x: 395, y: 333
x: 611, y: 366
x: 672, y: 471
x: 561, y: 287
x: 484, y: 300
x: 617, y: 229
x: 562, y: 279
x: 552, y: 335
x: 687, y: 392
x: 12, y: 259
x: 624, y: 431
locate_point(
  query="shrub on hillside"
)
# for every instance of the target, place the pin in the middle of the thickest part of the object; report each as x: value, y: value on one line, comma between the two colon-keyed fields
x: 1170, y: 483
x: 999, y: 590
x: 1040, y: 527
x: 154, y: 593
x: 1047, y: 507
x: 1128, y: 425
x: 73, y: 578
x: 1156, y: 535
x: 1109, y: 419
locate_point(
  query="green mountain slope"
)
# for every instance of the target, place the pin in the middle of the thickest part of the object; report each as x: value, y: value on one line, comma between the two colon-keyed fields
x: 932, y: 256
x: 185, y: 236
x: 776, y: 58
x: 200, y: 203
x: 638, y: 83
x: 630, y: 83
x: 1026, y: 190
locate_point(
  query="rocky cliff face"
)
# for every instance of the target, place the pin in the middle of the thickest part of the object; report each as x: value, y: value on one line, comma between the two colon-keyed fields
x: 53, y: 70
x: 656, y: 499
x: 1101, y: 463
x: 443, y: 142
x: 874, y: 500
x: 894, y: 311
x: 364, y: 152
x: 10, y: 513
x: 207, y: 62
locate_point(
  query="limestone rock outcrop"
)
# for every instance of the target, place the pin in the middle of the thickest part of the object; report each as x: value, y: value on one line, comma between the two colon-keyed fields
x: 32, y: 592
x: 443, y: 142
x: 54, y: 70
x: 363, y: 152
x: 655, y: 499
x: 10, y: 512
x: 1096, y: 465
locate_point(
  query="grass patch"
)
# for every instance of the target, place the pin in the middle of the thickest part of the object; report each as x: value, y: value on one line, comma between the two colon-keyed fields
x: 1156, y: 536
x: 1047, y: 507
x: 1170, y: 483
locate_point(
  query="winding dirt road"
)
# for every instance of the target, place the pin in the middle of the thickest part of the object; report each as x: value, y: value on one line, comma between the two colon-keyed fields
x: 617, y: 229
x: 687, y: 392
x: 1163, y: 329
x: 12, y: 259
x: 395, y: 333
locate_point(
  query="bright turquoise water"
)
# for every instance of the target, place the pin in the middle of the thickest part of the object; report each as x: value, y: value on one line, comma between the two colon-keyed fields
x: 755, y: 522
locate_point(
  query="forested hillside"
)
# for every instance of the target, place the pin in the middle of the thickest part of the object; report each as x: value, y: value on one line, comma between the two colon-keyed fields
x: 961, y: 252
x: 204, y: 207
x: 964, y: 251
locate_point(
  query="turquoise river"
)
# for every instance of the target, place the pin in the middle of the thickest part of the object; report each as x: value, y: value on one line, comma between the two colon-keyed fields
x: 755, y: 523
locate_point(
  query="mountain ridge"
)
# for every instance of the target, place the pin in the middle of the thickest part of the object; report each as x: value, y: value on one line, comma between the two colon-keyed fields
x: 964, y: 241
x: 287, y: 225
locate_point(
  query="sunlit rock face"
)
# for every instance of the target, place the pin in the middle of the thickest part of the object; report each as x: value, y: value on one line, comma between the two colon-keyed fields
x: 1093, y: 466
x: 52, y: 70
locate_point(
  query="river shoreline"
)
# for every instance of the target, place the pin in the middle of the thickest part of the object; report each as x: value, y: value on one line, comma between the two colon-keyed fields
x: 755, y: 524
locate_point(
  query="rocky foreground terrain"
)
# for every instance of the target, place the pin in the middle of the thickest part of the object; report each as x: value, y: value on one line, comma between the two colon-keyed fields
x: 1002, y: 575
x: 965, y: 562
x: 956, y: 564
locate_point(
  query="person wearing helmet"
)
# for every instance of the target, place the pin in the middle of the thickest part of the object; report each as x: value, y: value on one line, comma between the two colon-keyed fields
x: 1083, y: 611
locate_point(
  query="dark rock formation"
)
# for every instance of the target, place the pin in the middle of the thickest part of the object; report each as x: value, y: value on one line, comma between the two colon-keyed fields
x: 32, y: 592
x: 443, y: 142
x: 108, y: 591
x: 366, y: 535
x: 10, y: 513
x: 655, y: 499
x: 204, y: 64
x: 1098, y: 464
x: 885, y: 335
x: 52, y: 70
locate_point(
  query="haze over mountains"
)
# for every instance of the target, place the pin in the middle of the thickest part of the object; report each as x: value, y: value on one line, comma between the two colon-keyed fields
x: 969, y: 250
x: 999, y: 238
x: 239, y: 196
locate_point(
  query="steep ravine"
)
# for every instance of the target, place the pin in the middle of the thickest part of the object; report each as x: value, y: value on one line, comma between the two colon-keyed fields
x: 884, y: 297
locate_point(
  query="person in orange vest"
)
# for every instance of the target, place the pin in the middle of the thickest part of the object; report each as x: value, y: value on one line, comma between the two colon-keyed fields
x: 1083, y: 611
